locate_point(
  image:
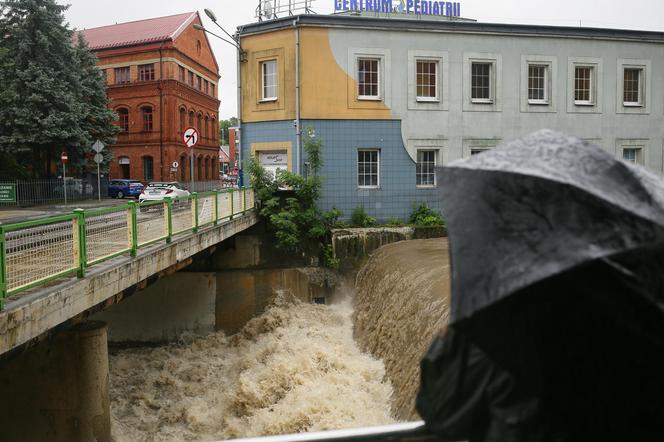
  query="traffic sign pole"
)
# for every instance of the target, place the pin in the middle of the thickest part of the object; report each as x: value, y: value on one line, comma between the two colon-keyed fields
x: 64, y: 158
x: 98, y: 147
x: 190, y: 139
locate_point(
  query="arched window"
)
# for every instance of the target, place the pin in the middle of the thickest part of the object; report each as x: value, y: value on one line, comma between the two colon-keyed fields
x: 207, y: 127
x: 191, y: 118
x: 215, y: 132
x: 200, y: 123
x: 183, y: 168
x: 148, y: 168
x: 215, y: 169
x: 147, y: 118
x: 207, y: 168
x: 123, y: 119
x: 200, y: 168
x: 123, y: 162
x: 183, y: 118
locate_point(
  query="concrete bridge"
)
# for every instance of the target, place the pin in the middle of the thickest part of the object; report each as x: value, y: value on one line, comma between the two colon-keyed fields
x: 57, y: 272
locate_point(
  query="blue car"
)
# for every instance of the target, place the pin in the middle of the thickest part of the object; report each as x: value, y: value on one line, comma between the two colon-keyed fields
x: 122, y: 188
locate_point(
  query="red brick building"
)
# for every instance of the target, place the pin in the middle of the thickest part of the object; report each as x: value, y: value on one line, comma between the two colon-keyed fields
x: 162, y: 78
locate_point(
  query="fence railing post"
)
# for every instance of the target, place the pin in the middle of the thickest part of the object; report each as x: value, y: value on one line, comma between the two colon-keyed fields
x: 3, y: 270
x: 168, y: 218
x: 194, y: 214
x: 216, y: 207
x: 132, y: 228
x: 232, y: 208
x: 80, y: 249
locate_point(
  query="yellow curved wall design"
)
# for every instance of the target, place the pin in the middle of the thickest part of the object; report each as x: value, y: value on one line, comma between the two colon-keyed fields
x: 326, y: 89
x: 328, y: 92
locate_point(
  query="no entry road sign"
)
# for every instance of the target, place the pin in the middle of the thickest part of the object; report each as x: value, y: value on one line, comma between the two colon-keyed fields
x: 190, y: 137
x: 64, y: 157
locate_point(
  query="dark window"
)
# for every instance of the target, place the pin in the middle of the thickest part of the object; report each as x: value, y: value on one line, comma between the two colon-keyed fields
x: 583, y: 84
x: 368, y: 77
x: 183, y: 118
x: 191, y: 118
x: 200, y: 123
x: 123, y: 119
x: 207, y: 86
x: 200, y: 168
x: 367, y: 168
x: 147, y: 118
x: 122, y: 75
x: 632, y: 86
x: 181, y: 70
x: 124, y: 167
x: 148, y: 168
x: 212, y: 90
x: 481, y: 82
x: 427, y: 76
x: 426, y: 168
x: 146, y: 72
x: 207, y: 168
x: 537, y: 83
x: 183, y: 168
x: 206, y: 133
x: 191, y: 79
x: 199, y: 82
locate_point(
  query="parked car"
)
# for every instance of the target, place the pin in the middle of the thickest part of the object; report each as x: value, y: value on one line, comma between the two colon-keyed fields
x: 75, y: 188
x: 122, y: 188
x: 158, y: 191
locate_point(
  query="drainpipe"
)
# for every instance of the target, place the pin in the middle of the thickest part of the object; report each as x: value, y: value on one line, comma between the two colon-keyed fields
x: 161, y: 113
x: 298, y: 130
x: 238, y: 133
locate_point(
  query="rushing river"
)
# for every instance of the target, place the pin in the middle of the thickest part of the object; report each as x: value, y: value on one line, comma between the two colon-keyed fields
x: 295, y: 368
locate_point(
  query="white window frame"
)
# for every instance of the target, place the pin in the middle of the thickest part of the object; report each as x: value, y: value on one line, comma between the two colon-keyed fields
x: 491, y: 85
x: 640, y: 89
x: 640, y: 145
x: 378, y: 78
x: 637, y: 153
x: 468, y: 145
x: 545, y: 83
x: 263, y: 65
x: 436, y: 77
x: 591, y: 91
x: 435, y: 164
x: 377, y: 185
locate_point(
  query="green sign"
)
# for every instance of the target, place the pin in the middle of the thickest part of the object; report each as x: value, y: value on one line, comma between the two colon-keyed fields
x: 7, y: 193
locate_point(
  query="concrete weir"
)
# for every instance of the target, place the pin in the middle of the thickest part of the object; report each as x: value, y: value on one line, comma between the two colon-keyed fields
x: 58, y: 391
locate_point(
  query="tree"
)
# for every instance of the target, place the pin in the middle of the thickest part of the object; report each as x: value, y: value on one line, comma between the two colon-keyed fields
x: 48, y: 102
x: 223, y: 129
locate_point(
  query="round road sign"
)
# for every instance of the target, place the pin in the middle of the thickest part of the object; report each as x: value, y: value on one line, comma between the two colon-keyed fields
x: 190, y: 137
x: 64, y: 157
x: 175, y: 165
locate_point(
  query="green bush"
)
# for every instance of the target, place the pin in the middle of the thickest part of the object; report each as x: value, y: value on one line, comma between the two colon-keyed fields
x: 423, y: 215
x: 360, y: 218
x: 395, y: 222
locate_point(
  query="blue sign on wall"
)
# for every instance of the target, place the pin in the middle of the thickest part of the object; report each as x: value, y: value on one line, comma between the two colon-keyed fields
x: 419, y: 7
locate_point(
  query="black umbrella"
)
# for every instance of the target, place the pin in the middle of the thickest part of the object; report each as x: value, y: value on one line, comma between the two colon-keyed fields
x: 557, y: 256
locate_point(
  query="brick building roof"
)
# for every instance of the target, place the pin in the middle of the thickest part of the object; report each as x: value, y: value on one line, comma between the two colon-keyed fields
x: 138, y: 32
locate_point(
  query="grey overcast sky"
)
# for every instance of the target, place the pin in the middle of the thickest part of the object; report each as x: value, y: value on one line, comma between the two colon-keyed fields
x: 633, y: 14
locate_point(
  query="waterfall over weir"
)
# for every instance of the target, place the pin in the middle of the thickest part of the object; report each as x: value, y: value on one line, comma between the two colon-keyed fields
x: 297, y: 367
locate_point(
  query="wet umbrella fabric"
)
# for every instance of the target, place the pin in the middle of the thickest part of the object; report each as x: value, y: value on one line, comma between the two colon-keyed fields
x: 557, y: 253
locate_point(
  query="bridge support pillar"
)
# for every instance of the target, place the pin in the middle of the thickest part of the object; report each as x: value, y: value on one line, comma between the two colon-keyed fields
x: 58, y: 391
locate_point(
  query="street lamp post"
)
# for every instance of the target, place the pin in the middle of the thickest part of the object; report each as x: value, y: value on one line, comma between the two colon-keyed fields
x: 241, y: 57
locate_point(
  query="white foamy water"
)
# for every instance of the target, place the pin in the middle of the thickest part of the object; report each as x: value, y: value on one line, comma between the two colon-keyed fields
x: 295, y: 368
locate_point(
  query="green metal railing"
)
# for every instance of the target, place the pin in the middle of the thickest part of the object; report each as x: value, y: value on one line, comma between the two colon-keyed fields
x: 34, y: 253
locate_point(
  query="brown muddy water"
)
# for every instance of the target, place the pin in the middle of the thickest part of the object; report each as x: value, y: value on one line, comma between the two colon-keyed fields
x: 298, y: 367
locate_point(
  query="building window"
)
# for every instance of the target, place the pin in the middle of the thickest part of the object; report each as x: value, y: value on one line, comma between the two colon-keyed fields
x: 368, y: 78
x: 200, y: 169
x: 426, y: 168
x: 199, y: 83
x: 269, y: 80
x: 183, y: 168
x: 206, y: 86
x: 199, y: 120
x: 215, y: 132
x: 182, y: 75
x: 583, y: 85
x: 477, y: 150
x: 206, y: 127
x: 183, y: 118
x: 367, y: 168
x: 481, y: 90
x: 146, y: 72
x: 212, y: 92
x: 427, y: 80
x: 191, y: 118
x: 122, y: 75
x: 148, y: 168
x: 633, y: 154
x: 198, y: 47
x: 123, y: 162
x: 123, y: 119
x: 207, y: 168
x: 632, y: 89
x: 537, y: 84
x: 191, y: 79
x: 147, y: 118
